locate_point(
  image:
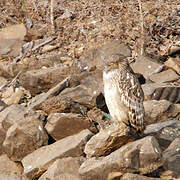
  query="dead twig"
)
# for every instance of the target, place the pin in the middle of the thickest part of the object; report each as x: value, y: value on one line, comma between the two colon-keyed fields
x: 53, y: 91
x: 11, y: 83
x: 52, y: 16
x: 43, y: 43
x: 142, y: 27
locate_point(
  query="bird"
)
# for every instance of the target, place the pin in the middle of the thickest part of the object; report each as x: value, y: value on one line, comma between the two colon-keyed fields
x: 123, y: 93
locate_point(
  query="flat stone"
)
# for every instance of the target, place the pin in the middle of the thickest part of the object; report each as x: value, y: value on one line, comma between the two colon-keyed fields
x: 156, y: 111
x: 11, y: 115
x: 171, y: 157
x: 9, y: 166
x: 61, y: 125
x: 142, y: 156
x: 173, y: 63
x: 161, y: 91
x: 38, y: 161
x: 145, y: 66
x: 107, y: 140
x: 164, y: 76
x: 17, y: 31
x: 25, y: 136
x: 63, y: 167
x: 165, y: 132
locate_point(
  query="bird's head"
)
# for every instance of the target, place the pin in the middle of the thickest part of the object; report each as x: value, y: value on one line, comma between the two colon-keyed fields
x: 115, y: 61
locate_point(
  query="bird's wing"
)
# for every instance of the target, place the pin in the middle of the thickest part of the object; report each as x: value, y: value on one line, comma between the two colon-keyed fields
x: 132, y: 97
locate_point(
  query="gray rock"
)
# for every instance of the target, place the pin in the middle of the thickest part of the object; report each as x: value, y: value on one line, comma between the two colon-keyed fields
x: 38, y: 161
x: 159, y: 111
x: 63, y: 167
x: 145, y: 66
x: 25, y: 136
x: 61, y: 125
x: 142, y: 156
x: 164, y: 76
x: 165, y: 132
x: 11, y: 115
x: 171, y: 157
x: 161, y: 91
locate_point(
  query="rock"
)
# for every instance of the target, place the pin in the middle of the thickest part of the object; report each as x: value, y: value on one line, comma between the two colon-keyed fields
x: 11, y: 39
x: 94, y: 57
x: 2, y: 137
x: 10, y: 48
x: 17, y: 31
x: 11, y: 176
x: 171, y: 157
x: 58, y: 104
x: 87, y: 92
x: 61, y: 125
x: 156, y: 91
x: 63, y: 167
x: 38, y: 161
x: 39, y: 99
x: 114, y: 175
x: 37, y: 81
x: 130, y: 176
x: 11, y: 115
x: 80, y: 93
x: 142, y: 156
x: 99, y: 120
x: 164, y: 132
x: 12, y: 96
x: 145, y: 66
x: 2, y: 105
x: 8, y: 166
x: 48, y: 48
x: 164, y: 76
x: 107, y: 140
x: 159, y: 111
x: 173, y: 63
x: 25, y: 136
x: 167, y: 175
x: 3, y: 81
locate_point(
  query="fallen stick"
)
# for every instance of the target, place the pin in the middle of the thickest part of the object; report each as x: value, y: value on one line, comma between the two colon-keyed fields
x: 52, y: 92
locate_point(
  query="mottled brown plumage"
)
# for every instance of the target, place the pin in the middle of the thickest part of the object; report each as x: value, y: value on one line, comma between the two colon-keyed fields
x: 123, y: 93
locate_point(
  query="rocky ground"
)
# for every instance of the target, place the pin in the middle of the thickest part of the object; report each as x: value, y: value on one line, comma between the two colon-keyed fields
x: 54, y: 123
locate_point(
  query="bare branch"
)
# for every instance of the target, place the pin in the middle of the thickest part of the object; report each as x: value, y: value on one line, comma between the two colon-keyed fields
x: 142, y: 27
x: 52, y: 17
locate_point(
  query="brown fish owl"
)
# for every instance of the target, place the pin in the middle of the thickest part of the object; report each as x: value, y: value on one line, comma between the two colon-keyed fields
x: 123, y: 93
